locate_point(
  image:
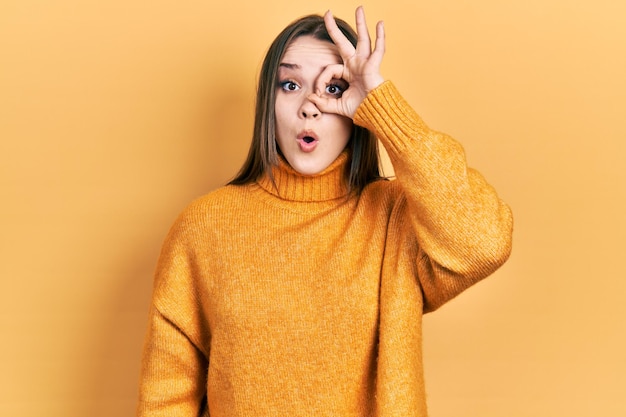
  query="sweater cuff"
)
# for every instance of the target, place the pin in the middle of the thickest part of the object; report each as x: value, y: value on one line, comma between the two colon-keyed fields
x: 389, y: 116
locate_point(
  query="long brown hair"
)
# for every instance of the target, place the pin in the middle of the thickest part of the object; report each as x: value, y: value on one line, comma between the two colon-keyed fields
x: 364, y: 166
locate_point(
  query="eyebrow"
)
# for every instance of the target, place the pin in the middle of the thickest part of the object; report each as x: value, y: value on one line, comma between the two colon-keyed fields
x: 289, y: 66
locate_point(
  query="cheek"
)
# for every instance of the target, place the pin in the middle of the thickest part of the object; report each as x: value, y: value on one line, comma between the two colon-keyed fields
x: 346, y: 126
x: 281, y: 114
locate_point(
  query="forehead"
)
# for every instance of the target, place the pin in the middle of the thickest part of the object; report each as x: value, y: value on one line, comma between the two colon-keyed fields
x: 306, y: 50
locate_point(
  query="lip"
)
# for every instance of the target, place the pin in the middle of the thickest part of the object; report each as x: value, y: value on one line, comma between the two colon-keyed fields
x: 307, y: 140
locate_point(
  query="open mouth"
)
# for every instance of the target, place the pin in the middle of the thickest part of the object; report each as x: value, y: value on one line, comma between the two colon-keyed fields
x: 308, y: 141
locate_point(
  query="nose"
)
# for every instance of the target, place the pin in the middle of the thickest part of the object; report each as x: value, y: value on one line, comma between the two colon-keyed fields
x: 309, y: 110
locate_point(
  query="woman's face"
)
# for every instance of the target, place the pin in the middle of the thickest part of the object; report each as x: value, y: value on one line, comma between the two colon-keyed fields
x: 308, y: 139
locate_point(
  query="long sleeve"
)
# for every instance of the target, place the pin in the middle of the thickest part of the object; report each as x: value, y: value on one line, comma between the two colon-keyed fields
x: 173, y: 376
x: 174, y: 366
x: 463, y: 229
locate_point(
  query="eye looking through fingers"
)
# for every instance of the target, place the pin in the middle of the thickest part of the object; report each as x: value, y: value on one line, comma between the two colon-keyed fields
x: 336, y: 88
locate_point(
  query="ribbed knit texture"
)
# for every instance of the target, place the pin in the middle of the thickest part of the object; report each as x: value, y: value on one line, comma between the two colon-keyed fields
x: 295, y: 298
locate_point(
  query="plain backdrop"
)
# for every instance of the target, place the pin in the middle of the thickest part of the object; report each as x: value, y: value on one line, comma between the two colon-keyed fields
x: 116, y: 114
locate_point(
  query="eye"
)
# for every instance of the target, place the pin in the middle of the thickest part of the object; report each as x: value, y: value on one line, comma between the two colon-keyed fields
x: 335, y: 89
x: 289, y: 86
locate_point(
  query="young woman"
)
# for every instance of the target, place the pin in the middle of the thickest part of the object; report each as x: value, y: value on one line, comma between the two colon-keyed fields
x: 299, y: 288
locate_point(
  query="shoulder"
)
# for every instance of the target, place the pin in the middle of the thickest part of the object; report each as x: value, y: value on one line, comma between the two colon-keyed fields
x: 212, y: 209
x: 383, y: 194
x: 224, y: 198
x: 385, y: 189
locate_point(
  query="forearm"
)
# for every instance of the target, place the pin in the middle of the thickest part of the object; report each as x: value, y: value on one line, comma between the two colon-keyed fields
x: 461, y: 224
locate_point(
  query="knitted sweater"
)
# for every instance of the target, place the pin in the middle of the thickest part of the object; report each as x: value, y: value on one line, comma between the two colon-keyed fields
x: 302, y: 299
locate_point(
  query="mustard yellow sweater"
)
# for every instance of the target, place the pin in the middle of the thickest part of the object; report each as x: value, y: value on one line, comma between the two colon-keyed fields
x: 302, y: 300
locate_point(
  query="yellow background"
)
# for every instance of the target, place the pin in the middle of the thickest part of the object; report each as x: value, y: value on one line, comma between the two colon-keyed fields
x: 115, y: 114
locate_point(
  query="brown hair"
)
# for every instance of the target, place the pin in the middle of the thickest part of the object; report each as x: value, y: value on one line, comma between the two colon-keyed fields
x: 263, y: 153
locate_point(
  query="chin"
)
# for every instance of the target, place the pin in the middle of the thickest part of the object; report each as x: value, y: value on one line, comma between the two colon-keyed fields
x: 309, y: 168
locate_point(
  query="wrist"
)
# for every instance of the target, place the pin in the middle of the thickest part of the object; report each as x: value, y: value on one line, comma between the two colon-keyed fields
x: 374, y: 83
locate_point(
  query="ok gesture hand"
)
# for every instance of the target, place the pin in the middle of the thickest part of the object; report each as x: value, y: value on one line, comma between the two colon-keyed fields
x: 360, y: 68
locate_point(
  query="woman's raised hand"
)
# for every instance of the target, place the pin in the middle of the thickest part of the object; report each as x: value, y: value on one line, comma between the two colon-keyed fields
x: 360, y: 68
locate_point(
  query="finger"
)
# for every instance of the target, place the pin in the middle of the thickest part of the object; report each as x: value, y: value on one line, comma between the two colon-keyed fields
x: 379, y: 46
x: 343, y: 44
x: 325, y: 104
x: 331, y: 72
x: 364, y: 43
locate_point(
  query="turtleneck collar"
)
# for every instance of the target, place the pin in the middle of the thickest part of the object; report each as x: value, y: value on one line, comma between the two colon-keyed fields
x: 294, y: 186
